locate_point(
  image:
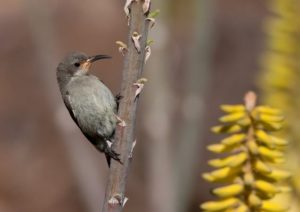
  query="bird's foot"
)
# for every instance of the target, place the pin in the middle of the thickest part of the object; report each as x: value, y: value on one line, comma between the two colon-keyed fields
x: 110, y: 153
x: 118, y: 98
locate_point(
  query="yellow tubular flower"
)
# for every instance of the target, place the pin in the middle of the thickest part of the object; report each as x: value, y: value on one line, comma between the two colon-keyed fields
x: 265, y: 187
x: 254, y: 200
x: 219, y: 148
x: 220, y: 205
x: 252, y: 146
x: 268, y: 110
x: 261, y: 167
x: 234, y: 139
x: 233, y: 117
x: 278, y: 174
x: 249, y: 179
x: 226, y: 129
x: 241, y: 208
x: 231, y: 161
x: 268, y: 153
x: 248, y: 171
x: 238, y: 159
x: 268, y: 206
x: 233, y: 108
x: 228, y: 191
x: 221, y: 173
x: 270, y: 118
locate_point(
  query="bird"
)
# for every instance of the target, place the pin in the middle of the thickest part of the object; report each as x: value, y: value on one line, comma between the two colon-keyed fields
x: 89, y: 101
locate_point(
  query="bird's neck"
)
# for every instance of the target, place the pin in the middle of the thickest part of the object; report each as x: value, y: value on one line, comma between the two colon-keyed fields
x: 63, y: 79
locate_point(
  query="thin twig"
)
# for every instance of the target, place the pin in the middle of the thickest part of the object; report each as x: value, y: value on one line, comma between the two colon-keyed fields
x: 125, y: 135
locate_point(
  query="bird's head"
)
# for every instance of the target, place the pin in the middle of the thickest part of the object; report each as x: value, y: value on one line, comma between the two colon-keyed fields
x: 78, y: 63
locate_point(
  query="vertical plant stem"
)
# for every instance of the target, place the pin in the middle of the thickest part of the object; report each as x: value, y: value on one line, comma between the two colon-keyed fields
x: 125, y: 135
x: 250, y: 104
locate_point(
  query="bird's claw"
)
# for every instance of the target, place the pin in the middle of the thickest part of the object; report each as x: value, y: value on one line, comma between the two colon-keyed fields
x: 118, y: 98
x: 112, y: 154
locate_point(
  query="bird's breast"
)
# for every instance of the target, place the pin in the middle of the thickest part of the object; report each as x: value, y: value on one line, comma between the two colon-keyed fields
x: 93, y: 106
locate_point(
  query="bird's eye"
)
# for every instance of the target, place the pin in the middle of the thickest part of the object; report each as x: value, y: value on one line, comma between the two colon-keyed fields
x: 77, y: 64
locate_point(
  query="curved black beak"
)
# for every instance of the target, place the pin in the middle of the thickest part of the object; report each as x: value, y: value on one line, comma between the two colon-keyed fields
x: 98, y: 57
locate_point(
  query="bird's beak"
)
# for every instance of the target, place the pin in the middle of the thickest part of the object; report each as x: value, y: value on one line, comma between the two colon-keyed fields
x: 98, y: 57
x: 86, y: 65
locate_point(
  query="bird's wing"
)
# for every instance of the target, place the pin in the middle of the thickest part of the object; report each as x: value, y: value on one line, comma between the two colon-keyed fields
x: 68, y: 103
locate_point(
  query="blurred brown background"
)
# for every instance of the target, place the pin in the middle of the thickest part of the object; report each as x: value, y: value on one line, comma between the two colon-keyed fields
x: 205, y: 53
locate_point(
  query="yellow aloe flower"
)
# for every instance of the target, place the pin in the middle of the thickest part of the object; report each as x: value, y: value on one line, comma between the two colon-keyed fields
x: 252, y: 178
